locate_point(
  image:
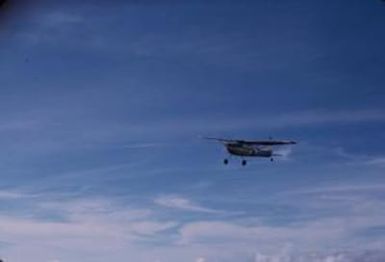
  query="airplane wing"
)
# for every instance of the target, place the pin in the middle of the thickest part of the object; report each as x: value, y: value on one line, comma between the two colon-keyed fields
x: 223, y: 140
x: 269, y: 142
x: 254, y: 142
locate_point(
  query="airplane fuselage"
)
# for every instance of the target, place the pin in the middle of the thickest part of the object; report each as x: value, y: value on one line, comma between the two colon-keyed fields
x: 247, y: 150
x: 251, y: 148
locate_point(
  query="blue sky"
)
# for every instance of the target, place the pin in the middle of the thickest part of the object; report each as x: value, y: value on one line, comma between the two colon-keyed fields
x: 102, y: 106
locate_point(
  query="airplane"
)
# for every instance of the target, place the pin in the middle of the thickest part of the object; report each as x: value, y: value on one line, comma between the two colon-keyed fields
x: 251, y: 148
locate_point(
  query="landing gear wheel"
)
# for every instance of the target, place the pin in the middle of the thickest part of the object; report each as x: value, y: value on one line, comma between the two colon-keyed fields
x: 225, y: 161
x: 244, y: 162
x: 271, y: 159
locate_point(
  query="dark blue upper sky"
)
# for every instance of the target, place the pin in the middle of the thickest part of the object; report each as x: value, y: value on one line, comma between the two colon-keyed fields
x: 103, y: 103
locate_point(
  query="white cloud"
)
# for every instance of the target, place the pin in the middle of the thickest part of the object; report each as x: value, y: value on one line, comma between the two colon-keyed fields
x: 354, y: 159
x: 300, y: 118
x: 178, y: 202
x: 312, y: 257
x: 97, y: 210
x: 84, y: 226
x: 376, y: 161
x: 5, y: 194
x: 316, y: 234
x: 264, y: 236
x: 217, y: 124
x: 99, y: 229
x: 344, y: 188
x: 151, y: 228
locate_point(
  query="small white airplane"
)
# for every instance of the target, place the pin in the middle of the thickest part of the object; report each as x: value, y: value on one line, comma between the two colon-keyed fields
x: 251, y: 148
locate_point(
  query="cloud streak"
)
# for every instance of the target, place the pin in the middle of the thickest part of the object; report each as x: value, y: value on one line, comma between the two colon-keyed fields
x: 9, y: 195
x: 97, y: 228
x: 181, y: 203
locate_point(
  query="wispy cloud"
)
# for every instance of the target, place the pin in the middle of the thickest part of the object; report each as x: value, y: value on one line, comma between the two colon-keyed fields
x: 347, y: 188
x: 107, y: 227
x: 320, y: 234
x: 369, y: 160
x: 50, y: 135
x: 336, y: 220
x: 178, y: 202
x: 80, y: 217
x: 342, y: 256
x: 5, y: 194
x: 376, y: 161
x: 17, y: 125
x: 215, y: 124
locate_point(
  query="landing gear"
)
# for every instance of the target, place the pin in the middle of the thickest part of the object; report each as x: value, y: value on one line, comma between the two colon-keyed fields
x: 226, y: 162
x: 271, y: 159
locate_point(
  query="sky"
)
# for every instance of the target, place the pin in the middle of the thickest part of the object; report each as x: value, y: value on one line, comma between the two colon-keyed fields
x: 103, y: 105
